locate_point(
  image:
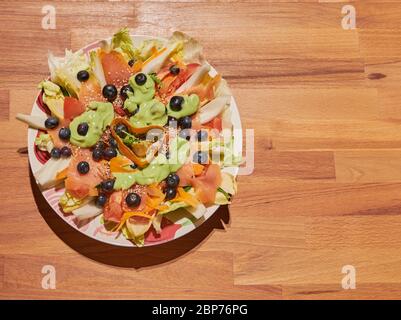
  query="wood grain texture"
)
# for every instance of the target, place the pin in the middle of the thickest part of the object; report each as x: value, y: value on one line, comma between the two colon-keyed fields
x: 326, y: 190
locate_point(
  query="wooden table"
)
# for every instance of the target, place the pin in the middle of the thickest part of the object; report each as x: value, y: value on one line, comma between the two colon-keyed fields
x: 325, y: 104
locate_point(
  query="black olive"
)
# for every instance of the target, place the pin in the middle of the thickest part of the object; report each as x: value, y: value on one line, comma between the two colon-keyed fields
x: 124, y: 91
x: 97, y: 154
x: 83, y: 167
x: 83, y: 75
x: 133, y: 199
x: 100, y: 144
x: 131, y: 62
x: 172, y: 122
x: 202, y: 135
x: 101, y: 200
x: 170, y: 193
x: 64, y: 133
x: 186, y: 122
x: 66, y: 152
x: 121, y: 130
x: 185, y: 134
x: 107, y: 185
x: 140, y: 79
x: 172, y: 180
x: 51, y: 122
x: 112, y: 142
x: 201, y: 157
x: 174, y: 70
x: 110, y: 92
x: 109, y: 153
x: 55, y: 153
x: 82, y: 129
x: 176, y: 103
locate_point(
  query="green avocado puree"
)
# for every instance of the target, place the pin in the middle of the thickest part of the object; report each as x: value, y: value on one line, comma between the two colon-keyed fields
x: 98, y: 116
x: 151, y: 112
x: 142, y: 93
x: 189, y: 106
x: 158, y: 169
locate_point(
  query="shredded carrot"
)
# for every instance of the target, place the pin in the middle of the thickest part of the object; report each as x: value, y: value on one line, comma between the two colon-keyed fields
x: 130, y: 214
x: 154, y: 55
x: 162, y: 207
x: 198, y: 168
x: 121, y: 164
x: 153, y: 203
x: 139, y: 214
x: 137, y: 66
x: 186, y: 197
x: 62, y: 174
x: 93, y: 192
x: 154, y: 191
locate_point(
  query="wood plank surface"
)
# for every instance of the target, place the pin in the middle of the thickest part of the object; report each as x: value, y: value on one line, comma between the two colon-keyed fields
x: 325, y: 104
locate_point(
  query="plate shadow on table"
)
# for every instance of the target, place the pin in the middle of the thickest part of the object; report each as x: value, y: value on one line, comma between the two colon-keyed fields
x: 124, y: 256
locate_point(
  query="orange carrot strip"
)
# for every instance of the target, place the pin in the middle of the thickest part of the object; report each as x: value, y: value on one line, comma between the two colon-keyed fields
x: 187, y: 198
x: 198, y: 168
x: 125, y: 150
x: 62, y: 174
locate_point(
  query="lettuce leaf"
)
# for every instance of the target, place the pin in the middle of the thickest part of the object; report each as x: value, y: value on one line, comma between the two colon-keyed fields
x: 63, y: 70
x: 97, y: 68
x: 139, y: 241
x: 172, y: 206
x: 224, y: 152
x: 121, y: 37
x: 189, y: 50
x: 227, y: 188
x: 44, y: 142
x: 145, y: 48
x: 69, y: 203
x: 53, y: 97
x: 122, y: 42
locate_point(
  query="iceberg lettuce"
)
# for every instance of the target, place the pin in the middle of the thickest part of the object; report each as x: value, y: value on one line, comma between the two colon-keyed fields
x: 69, y: 203
x: 122, y: 42
x: 44, y: 142
x: 53, y: 97
x: 227, y: 188
x: 63, y: 70
x: 97, y: 68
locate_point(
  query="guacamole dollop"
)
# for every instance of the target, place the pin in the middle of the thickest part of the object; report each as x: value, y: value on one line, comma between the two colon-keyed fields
x: 189, y: 106
x: 142, y: 93
x: 151, y: 112
x: 98, y: 116
x: 158, y: 169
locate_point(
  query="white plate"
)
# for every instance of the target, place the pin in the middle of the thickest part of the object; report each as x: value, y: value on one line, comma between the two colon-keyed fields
x: 179, y: 224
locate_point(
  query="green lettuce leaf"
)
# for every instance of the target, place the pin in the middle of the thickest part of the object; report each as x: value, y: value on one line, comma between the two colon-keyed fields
x: 97, y: 68
x: 145, y: 48
x: 53, y: 97
x: 224, y: 151
x: 69, y: 203
x: 139, y: 241
x: 63, y: 70
x: 172, y: 206
x: 44, y: 142
x: 122, y: 43
x: 227, y: 188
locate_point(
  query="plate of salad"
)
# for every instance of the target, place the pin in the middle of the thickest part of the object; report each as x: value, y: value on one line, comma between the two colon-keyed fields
x: 135, y: 140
